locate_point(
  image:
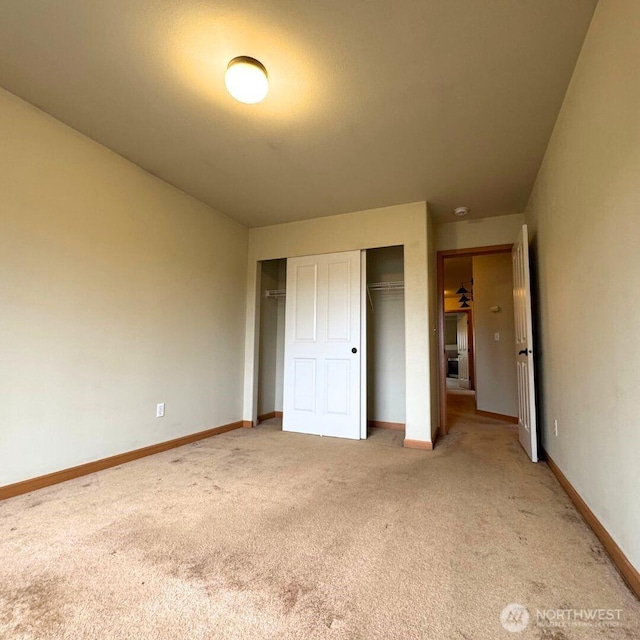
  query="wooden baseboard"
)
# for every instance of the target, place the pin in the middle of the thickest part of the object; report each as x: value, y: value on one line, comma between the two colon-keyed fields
x: 268, y: 416
x: 425, y: 445
x: 393, y: 426
x: 630, y: 574
x: 247, y: 424
x: 498, y: 416
x: 26, y: 486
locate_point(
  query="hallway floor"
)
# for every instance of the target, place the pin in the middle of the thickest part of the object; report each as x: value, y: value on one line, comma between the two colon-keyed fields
x: 263, y: 534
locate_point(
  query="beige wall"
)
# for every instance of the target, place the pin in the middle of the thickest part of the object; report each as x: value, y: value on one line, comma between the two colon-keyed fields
x: 434, y: 361
x: 400, y: 225
x: 584, y: 217
x: 484, y: 232
x: 118, y: 292
x: 495, y: 361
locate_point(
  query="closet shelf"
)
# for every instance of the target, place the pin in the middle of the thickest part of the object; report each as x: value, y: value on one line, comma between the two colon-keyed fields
x: 387, y: 287
x: 395, y: 286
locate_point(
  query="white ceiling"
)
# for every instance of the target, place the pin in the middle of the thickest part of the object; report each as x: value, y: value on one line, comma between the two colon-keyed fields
x: 371, y: 103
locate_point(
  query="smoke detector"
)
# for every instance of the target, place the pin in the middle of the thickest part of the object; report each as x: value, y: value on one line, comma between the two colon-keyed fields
x: 461, y: 211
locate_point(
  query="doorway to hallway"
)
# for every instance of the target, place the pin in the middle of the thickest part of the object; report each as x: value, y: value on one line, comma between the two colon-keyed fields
x: 477, y: 332
x: 496, y: 285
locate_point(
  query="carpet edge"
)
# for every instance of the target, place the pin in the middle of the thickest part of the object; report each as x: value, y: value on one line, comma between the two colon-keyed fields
x: 628, y: 572
x: 39, y: 482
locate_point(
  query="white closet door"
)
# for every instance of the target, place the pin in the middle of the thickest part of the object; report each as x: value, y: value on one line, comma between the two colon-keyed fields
x: 322, y: 345
x: 524, y: 345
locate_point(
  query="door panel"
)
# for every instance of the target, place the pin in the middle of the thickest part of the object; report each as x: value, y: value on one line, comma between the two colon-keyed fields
x: 527, y: 428
x: 339, y: 294
x: 304, y: 385
x: 306, y: 302
x: 322, y: 331
x: 337, y: 380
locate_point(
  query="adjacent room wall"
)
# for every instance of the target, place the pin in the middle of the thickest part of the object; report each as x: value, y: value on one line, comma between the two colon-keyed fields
x: 385, y: 338
x: 484, y: 232
x: 400, y: 225
x: 583, y: 214
x: 118, y: 292
x: 451, y: 330
x: 495, y: 361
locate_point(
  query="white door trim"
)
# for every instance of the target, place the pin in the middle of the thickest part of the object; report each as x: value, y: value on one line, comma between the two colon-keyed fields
x: 363, y: 346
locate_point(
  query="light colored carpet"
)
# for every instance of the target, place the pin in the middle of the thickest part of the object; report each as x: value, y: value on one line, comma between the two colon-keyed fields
x: 263, y: 534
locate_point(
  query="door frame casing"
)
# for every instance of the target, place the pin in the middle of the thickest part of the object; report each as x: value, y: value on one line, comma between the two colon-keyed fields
x: 441, y: 256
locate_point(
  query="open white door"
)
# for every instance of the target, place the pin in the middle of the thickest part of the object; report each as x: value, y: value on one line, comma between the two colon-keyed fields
x: 524, y: 345
x: 463, y: 350
x: 322, y: 345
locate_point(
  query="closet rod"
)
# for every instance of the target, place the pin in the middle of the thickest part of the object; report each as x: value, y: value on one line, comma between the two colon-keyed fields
x: 395, y: 286
x: 392, y: 286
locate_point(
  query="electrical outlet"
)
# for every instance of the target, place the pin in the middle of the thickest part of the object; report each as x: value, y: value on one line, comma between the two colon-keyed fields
x: 160, y: 410
x: 496, y: 337
x: 555, y: 427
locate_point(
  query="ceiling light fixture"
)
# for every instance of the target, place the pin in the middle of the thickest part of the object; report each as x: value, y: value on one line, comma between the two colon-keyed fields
x: 461, y: 211
x: 246, y: 80
x: 464, y: 300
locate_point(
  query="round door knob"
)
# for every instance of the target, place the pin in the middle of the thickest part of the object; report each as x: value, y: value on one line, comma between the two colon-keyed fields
x: 354, y: 350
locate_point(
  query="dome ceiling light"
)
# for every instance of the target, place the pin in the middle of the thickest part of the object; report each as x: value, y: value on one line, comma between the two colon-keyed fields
x: 461, y: 211
x: 246, y: 80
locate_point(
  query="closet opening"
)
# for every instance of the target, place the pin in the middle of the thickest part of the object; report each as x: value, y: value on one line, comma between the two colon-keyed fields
x: 273, y: 284
x: 383, y: 351
x: 386, y: 343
